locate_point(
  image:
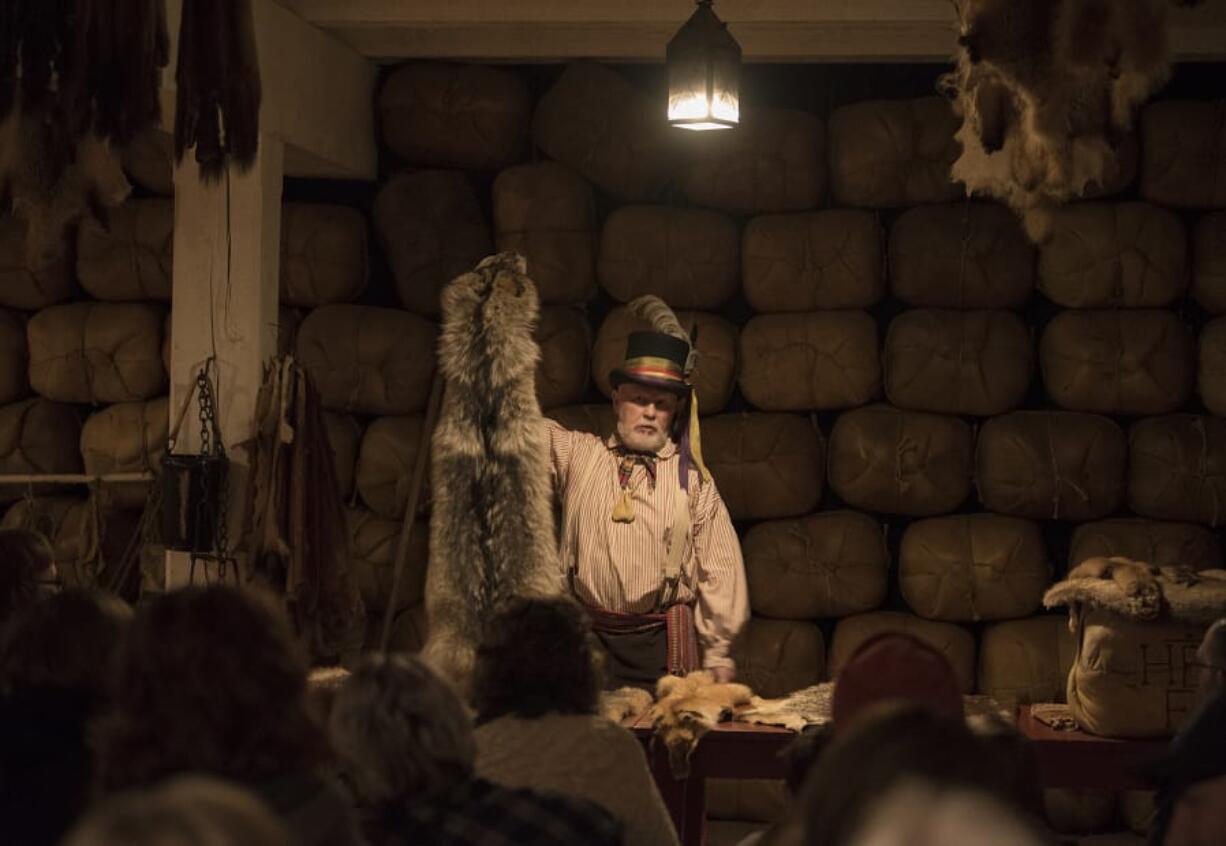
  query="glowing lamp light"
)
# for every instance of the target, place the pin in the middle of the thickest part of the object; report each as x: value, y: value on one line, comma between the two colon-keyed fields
x: 704, y: 64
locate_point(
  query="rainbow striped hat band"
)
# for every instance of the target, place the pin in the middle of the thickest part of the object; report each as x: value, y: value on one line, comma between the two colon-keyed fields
x: 654, y: 359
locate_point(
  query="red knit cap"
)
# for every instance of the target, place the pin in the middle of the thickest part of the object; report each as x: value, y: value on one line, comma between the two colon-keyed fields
x: 895, y: 666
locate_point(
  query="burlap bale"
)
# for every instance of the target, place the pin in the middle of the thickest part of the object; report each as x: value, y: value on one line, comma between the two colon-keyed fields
x: 97, y: 352
x: 131, y: 258
x: 829, y: 564
x: 14, y: 357
x: 409, y: 631
x: 1070, y: 811
x: 758, y: 799
x: 961, y: 255
x: 385, y: 465
x: 547, y: 213
x: 1135, y: 672
x: 893, y: 153
x: 952, y: 641
x: 372, y: 556
x: 431, y: 228
x: 1183, y: 153
x: 148, y: 161
x: 1137, y: 810
x: 288, y: 322
x: 597, y: 420
x: 1120, y: 169
x: 765, y: 465
x: 1141, y: 361
x: 814, y: 360
x: 1161, y: 543
x: 1211, y: 366
x: 1057, y: 465
x: 1209, y: 262
x: 957, y: 362
x: 128, y: 437
x: 37, y: 436
x: 344, y: 436
x: 30, y: 284
x: 690, y: 258
x: 596, y: 122
x: 970, y: 567
x: 444, y: 114
x: 367, y: 360
x: 828, y: 259
x: 717, y: 353
x: 1177, y: 468
x: 776, y: 657
x: 773, y: 162
x: 565, y: 340
x: 1113, y: 255
x: 900, y: 462
x: 324, y: 254
x: 85, y: 538
x: 1026, y: 661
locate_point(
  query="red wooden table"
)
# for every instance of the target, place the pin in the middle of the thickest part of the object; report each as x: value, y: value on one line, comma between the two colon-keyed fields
x: 1077, y: 759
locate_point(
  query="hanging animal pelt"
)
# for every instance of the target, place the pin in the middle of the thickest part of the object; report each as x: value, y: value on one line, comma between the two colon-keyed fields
x: 491, y: 527
x: 1047, y: 89
x: 218, y: 78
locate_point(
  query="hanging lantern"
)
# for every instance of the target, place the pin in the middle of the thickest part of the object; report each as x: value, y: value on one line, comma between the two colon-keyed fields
x: 704, y: 64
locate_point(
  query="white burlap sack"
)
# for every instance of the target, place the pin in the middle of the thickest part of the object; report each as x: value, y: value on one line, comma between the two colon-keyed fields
x: 1072, y: 811
x: 762, y: 800
x: 385, y: 465
x: 367, y: 360
x: 961, y: 255
x: 829, y: 564
x: 717, y: 353
x: 432, y: 229
x: 97, y: 352
x: 1026, y: 661
x: 1161, y: 543
x: 690, y: 258
x: 814, y: 360
x: 596, y: 122
x: 1141, y: 361
x: 1135, y: 672
x: 1114, y: 255
x: 765, y: 465
x: 828, y: 259
x: 1209, y: 262
x: 565, y: 340
x: 776, y: 657
x: 27, y: 283
x: 131, y: 258
x: 344, y: 436
x: 1211, y: 367
x: 900, y: 462
x: 149, y: 161
x: 547, y: 213
x: 954, y: 642
x: 957, y: 362
x: 37, y: 436
x: 773, y: 162
x: 128, y: 437
x: 372, y: 555
x: 446, y: 114
x: 597, y: 420
x: 324, y: 254
x: 1177, y: 468
x: 14, y: 357
x: 1183, y: 153
x: 970, y: 567
x: 1057, y: 465
x: 893, y: 153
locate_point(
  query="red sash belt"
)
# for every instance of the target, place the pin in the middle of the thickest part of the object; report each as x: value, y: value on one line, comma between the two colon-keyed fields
x: 678, y: 625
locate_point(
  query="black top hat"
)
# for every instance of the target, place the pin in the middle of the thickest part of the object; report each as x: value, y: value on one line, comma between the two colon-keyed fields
x: 656, y: 360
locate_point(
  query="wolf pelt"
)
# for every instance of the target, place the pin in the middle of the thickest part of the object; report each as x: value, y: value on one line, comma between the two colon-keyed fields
x: 491, y: 528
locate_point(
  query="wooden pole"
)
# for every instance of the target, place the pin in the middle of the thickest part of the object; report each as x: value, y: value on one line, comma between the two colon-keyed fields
x: 74, y: 478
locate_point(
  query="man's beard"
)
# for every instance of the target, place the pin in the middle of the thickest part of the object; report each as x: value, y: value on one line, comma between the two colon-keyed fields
x: 641, y: 441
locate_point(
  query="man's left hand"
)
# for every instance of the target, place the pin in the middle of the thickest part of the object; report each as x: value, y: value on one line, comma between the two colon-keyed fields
x: 723, y: 675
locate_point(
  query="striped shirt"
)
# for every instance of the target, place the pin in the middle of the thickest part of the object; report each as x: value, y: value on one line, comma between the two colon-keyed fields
x: 618, y: 566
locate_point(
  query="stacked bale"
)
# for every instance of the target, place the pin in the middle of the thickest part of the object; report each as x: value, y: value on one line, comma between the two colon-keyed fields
x: 31, y: 282
x: 1183, y: 146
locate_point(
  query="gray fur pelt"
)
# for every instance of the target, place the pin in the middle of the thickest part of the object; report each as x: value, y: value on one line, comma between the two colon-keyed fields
x: 491, y: 528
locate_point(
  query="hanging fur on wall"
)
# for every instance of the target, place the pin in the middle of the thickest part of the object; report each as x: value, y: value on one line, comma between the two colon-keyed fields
x: 491, y: 530
x: 1047, y: 89
x: 218, y: 78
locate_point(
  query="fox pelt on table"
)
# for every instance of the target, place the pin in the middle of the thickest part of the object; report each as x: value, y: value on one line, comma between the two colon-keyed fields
x: 689, y: 706
x: 491, y: 528
x: 1047, y: 89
